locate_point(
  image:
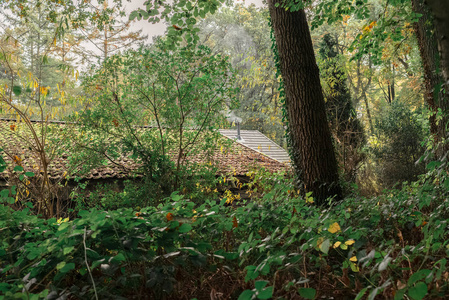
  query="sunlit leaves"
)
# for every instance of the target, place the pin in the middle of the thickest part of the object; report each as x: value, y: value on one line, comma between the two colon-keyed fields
x: 324, y: 245
x: 349, y: 242
x: 334, y: 228
x: 336, y: 244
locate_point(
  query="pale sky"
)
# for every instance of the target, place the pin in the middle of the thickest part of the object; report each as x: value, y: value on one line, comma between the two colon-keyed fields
x: 158, y: 29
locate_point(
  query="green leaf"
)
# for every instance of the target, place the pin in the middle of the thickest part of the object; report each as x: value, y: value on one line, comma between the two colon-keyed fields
x: 67, y: 267
x: 67, y: 250
x: 29, y: 174
x: 60, y: 265
x: 133, y: 15
x: 307, y: 293
x: 433, y: 165
x: 17, y: 90
x: 63, y: 226
x: 18, y: 169
x: 4, y: 193
x: 266, y: 293
x: 119, y: 257
x: 185, y: 228
x: 246, y: 295
x: 418, y: 276
x: 324, y: 246
x: 2, y: 162
x: 251, y: 273
x: 260, y: 284
x: 418, y: 292
x: 96, y: 263
x: 34, y: 254
x: 399, y: 295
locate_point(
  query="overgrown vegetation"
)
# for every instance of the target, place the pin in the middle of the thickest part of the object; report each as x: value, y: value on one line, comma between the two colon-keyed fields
x: 278, y: 245
x: 111, y: 184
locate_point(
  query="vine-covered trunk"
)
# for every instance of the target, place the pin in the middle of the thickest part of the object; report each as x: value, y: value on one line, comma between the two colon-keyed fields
x: 440, y: 11
x: 428, y: 48
x: 312, y: 149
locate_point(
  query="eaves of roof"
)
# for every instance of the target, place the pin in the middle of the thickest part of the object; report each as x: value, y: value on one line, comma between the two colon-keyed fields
x: 16, y: 142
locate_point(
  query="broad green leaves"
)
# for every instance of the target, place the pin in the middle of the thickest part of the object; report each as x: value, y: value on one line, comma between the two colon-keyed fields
x: 307, y: 293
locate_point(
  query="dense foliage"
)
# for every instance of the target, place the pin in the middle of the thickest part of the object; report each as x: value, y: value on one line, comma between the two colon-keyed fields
x: 278, y: 245
x: 176, y: 228
x: 154, y: 104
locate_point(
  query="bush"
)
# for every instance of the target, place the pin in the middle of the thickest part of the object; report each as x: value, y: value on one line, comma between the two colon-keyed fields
x: 398, y: 144
x: 162, y: 110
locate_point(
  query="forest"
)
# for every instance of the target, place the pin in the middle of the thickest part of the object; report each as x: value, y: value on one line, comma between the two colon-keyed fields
x: 117, y: 180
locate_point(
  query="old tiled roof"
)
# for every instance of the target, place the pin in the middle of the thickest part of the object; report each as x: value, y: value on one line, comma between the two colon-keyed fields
x: 18, y: 145
x: 257, y: 141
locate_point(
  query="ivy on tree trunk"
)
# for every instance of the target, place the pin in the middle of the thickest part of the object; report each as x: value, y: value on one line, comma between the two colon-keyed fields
x: 313, y: 153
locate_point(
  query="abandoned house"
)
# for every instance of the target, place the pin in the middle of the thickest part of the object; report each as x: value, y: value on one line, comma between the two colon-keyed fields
x: 21, y: 147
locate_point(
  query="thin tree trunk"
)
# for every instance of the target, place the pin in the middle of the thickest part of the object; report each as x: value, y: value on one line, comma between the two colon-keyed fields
x: 368, y: 113
x: 313, y: 152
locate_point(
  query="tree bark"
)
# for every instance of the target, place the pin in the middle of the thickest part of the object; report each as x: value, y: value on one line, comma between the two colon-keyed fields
x: 428, y: 48
x: 313, y: 153
x: 440, y: 11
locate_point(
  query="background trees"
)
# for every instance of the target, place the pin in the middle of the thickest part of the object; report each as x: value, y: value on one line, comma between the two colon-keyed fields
x: 243, y: 33
x: 378, y: 56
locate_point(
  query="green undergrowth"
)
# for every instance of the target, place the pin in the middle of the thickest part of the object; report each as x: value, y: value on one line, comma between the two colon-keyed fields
x: 280, y: 246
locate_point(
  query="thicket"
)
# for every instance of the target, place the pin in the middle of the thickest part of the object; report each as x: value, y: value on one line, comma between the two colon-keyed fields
x: 277, y: 246
x: 174, y: 236
x: 160, y: 108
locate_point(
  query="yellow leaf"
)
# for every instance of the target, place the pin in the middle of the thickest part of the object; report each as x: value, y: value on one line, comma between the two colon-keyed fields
x: 61, y: 220
x: 353, y: 259
x: 334, y: 228
x: 349, y: 242
x: 354, y: 267
x: 336, y: 244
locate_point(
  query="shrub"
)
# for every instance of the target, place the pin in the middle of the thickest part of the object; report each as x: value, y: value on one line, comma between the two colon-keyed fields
x: 398, y: 145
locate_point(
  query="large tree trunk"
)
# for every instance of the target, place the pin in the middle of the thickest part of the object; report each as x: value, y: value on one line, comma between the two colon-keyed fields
x: 440, y: 11
x: 313, y: 152
x: 434, y: 98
